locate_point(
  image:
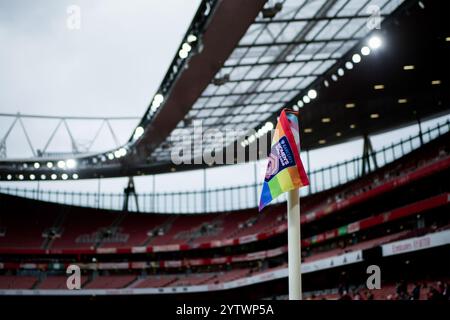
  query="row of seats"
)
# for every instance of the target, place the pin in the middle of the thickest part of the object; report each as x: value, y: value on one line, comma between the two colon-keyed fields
x: 68, y: 228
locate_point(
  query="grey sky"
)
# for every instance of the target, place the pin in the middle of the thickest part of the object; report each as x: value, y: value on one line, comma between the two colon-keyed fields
x: 111, y: 66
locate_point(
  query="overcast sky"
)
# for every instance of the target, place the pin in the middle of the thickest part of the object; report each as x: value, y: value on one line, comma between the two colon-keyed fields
x: 111, y: 66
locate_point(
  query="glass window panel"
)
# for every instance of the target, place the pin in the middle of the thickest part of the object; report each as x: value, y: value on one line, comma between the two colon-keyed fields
x: 332, y: 28
x: 291, y: 69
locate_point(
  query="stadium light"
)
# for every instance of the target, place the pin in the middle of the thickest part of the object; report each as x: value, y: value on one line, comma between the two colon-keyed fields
x: 365, y: 51
x: 378, y: 87
x: 71, y: 163
x: 334, y: 77
x: 322, y: 141
x: 49, y: 165
x: 75, y: 176
x: 326, y: 120
x: 306, y: 99
x: 36, y: 165
x: 64, y: 176
x: 186, y: 47
x: 295, y: 107
x: 43, y: 177
x: 20, y: 176
x: 269, y: 125
x: 356, y: 58
x: 307, y: 130
x: 349, y: 65
x: 325, y: 83
x: 435, y: 82
x: 374, y: 116
x: 159, y: 98
x: 53, y: 176
x: 182, y: 54
x: 375, y: 42
x: 340, y: 72
x: 32, y: 177
x: 61, y: 164
x: 110, y: 156
x: 300, y: 104
x: 138, y: 132
x: 408, y: 67
x: 8, y: 177
x: 312, y: 94
x: 191, y: 38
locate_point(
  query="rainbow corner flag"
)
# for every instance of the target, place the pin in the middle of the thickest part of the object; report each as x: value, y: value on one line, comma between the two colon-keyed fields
x: 284, y: 168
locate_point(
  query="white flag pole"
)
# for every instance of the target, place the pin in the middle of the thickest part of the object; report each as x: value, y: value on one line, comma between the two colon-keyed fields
x: 294, y: 245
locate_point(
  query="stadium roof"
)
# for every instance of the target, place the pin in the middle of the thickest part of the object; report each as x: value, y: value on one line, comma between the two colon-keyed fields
x: 238, y: 66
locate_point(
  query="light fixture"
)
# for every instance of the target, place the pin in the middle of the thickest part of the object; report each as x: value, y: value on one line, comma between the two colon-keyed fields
x: 64, y: 176
x: 338, y: 134
x: 349, y: 65
x: 36, y: 165
x: 32, y: 177
x: 182, y: 54
x: 403, y: 100
x: 334, y: 77
x: 312, y: 94
x: 191, y: 38
x: 340, y: 72
x: 447, y: 39
x: 352, y: 126
x: 307, y: 130
x: 158, y: 98
x: 71, y: 163
x: 434, y: 82
x: 365, y: 51
x: 110, y: 156
x: 49, y: 164
x: 243, y: 144
x: 349, y: 105
x: 75, y: 176
x: 268, y: 125
x: 325, y: 83
x: 295, y: 107
x: 53, y: 176
x: 378, y: 87
x: 300, y: 103
x: 61, y: 164
x: 374, y: 116
x: 306, y: 99
x: 322, y: 141
x: 43, y: 177
x: 408, y: 67
x: 20, y: 176
x: 186, y: 47
x: 375, y: 42
x: 9, y: 177
x: 138, y: 132
x: 356, y: 58
x: 326, y: 120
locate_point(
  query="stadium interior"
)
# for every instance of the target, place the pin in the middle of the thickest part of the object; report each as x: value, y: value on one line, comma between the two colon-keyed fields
x: 389, y: 207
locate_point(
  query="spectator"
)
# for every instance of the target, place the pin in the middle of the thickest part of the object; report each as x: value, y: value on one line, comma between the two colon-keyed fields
x: 415, y: 294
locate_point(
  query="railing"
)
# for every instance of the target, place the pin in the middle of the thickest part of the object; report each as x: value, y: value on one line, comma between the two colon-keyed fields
x: 236, y: 197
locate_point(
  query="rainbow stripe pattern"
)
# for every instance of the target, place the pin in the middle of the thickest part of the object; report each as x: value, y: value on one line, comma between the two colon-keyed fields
x: 284, y: 168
